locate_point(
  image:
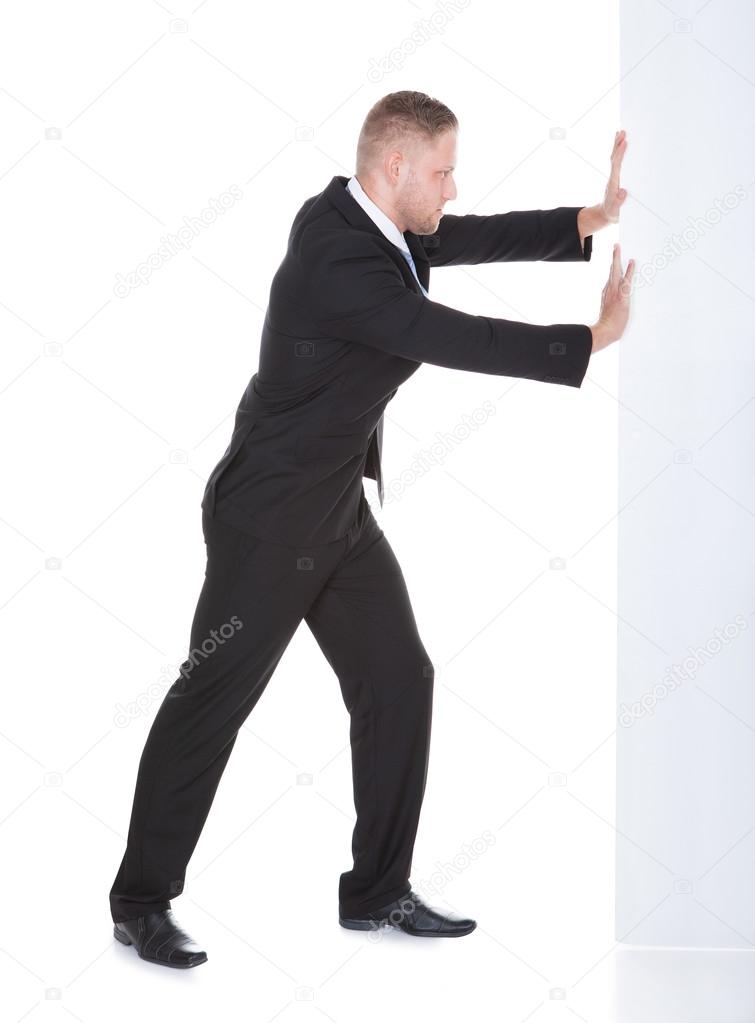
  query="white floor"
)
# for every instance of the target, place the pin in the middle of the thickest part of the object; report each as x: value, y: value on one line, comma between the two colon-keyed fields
x: 531, y: 859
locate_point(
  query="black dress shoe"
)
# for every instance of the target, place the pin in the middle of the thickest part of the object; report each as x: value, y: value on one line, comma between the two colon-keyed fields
x: 412, y: 915
x: 158, y: 939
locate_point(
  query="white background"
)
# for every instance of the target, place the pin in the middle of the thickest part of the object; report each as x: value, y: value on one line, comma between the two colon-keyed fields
x: 119, y: 121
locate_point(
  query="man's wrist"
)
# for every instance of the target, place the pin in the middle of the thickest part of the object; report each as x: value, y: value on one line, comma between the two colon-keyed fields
x: 599, y: 336
x: 589, y: 220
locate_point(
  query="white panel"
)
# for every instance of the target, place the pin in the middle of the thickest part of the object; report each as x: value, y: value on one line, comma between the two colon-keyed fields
x: 686, y: 574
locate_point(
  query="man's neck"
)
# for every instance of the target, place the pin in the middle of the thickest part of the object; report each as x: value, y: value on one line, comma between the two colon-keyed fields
x: 369, y: 190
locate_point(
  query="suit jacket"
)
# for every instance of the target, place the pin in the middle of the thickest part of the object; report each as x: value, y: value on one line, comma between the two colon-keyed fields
x: 345, y: 326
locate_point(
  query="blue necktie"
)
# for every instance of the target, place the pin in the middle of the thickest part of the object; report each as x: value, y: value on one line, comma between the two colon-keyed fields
x: 408, y: 257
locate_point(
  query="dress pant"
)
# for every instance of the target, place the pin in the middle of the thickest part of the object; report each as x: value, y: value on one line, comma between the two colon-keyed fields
x: 353, y: 597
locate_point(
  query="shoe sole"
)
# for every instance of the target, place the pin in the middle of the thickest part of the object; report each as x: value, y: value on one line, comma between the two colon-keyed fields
x: 125, y: 940
x: 370, y: 925
x: 360, y: 925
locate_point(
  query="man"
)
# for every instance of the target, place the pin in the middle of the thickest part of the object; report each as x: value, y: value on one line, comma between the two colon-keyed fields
x: 288, y: 529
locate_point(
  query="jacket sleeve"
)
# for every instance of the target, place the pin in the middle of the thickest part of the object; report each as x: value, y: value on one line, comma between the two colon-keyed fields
x: 550, y: 235
x: 354, y: 291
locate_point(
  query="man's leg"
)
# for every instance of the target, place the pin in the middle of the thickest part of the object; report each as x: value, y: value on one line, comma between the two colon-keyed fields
x: 253, y: 597
x: 364, y: 624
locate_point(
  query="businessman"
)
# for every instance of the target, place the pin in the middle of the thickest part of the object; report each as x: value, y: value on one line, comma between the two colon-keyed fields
x: 288, y: 530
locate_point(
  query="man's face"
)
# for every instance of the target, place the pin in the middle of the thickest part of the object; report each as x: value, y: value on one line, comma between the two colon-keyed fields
x: 426, y: 184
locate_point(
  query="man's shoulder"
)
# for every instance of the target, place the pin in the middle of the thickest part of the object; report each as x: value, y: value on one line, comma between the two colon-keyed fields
x: 317, y: 208
x: 318, y: 213
x: 330, y: 236
x: 324, y: 218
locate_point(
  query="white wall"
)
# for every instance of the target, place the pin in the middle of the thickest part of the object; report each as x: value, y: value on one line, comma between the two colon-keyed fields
x: 686, y: 571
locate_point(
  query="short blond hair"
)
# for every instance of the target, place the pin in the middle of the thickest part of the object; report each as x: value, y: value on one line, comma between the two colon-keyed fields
x: 398, y: 118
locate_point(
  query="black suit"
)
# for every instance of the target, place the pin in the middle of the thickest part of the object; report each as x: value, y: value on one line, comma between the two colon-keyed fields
x: 290, y: 535
x: 346, y: 325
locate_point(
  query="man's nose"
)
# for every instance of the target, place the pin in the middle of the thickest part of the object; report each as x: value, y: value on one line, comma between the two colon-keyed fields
x: 450, y: 193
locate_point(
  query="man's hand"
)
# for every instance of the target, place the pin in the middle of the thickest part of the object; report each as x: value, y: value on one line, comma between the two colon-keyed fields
x: 614, y: 304
x: 592, y: 218
x: 615, y: 196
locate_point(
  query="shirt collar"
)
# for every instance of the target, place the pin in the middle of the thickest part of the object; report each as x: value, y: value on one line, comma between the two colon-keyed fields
x: 382, y: 221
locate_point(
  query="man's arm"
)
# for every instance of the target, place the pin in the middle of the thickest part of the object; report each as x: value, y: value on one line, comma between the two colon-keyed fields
x: 356, y: 292
x: 550, y: 235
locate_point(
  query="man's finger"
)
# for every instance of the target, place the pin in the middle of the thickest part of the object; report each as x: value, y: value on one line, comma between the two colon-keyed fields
x: 626, y: 283
x: 617, y: 155
x: 613, y: 178
x: 615, y: 271
x: 616, y: 267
